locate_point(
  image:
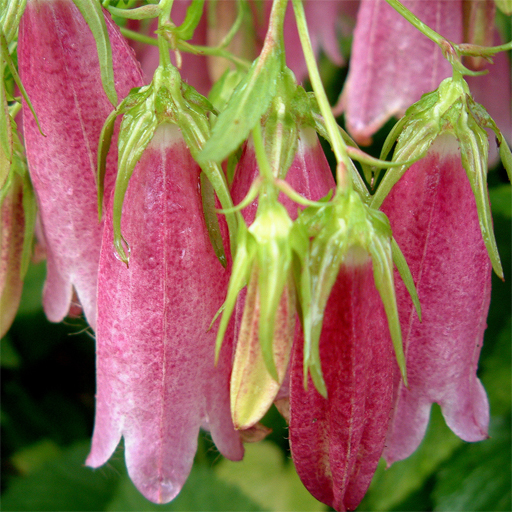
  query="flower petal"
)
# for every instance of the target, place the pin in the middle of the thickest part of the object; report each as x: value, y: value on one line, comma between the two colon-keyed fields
x: 392, y: 63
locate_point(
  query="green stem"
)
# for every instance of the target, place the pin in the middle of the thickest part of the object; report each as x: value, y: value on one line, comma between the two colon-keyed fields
x: 163, y: 45
x: 338, y: 146
x: 474, y: 50
x: 216, y: 52
x: 190, y: 48
x: 226, y: 40
x: 274, y: 36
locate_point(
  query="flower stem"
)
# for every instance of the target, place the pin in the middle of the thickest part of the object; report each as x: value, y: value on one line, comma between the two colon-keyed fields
x: 338, y: 146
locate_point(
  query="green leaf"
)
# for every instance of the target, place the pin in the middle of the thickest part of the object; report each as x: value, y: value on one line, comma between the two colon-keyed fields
x: 267, y: 479
x: 501, y: 200
x: 478, y: 477
x: 93, y: 15
x: 249, y: 102
x: 62, y: 483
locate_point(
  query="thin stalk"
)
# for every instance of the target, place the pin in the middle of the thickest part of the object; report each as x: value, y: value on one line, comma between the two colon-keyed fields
x: 416, y: 22
x: 338, y: 146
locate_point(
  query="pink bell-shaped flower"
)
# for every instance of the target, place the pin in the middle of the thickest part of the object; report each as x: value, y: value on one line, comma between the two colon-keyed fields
x: 434, y: 218
x: 388, y: 51
x: 59, y: 68
x: 336, y: 441
x: 12, y: 223
x: 157, y: 383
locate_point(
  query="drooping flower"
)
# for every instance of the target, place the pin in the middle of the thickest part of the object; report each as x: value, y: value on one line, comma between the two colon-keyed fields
x: 59, y: 67
x: 434, y: 217
x: 253, y: 388
x: 336, y: 441
x: 341, y: 378
x: 392, y: 63
x: 156, y: 379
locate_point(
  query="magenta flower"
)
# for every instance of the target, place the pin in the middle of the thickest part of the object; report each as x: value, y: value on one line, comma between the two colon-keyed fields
x: 12, y: 223
x: 434, y: 218
x: 387, y: 50
x: 59, y: 68
x: 156, y: 379
x: 337, y: 441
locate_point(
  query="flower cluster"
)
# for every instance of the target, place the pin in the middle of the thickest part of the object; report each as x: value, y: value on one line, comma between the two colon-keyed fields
x: 230, y: 268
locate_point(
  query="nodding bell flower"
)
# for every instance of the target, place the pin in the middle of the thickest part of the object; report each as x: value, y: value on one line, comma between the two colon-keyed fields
x: 341, y: 377
x: 383, y: 38
x: 440, y: 214
x: 156, y: 379
x: 434, y: 217
x: 157, y: 383
x: 59, y: 68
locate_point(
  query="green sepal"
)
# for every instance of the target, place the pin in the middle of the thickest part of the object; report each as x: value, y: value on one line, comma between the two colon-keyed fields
x: 382, y: 261
x: 10, y: 16
x: 249, y: 102
x: 93, y: 15
x: 6, y: 56
x: 194, y: 12
x: 244, y: 257
x: 135, y: 96
x: 474, y: 148
x: 484, y: 120
x: 506, y: 157
x: 211, y: 220
x: 405, y: 273
x: 137, y: 130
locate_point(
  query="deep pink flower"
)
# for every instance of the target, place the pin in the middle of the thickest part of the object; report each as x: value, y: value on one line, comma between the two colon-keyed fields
x: 434, y: 218
x: 337, y: 441
x: 12, y: 223
x: 156, y: 379
x: 392, y: 63
x: 59, y: 68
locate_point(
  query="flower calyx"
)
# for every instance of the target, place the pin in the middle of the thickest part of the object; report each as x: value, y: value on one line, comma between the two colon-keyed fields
x: 166, y: 100
x: 345, y: 232
x: 449, y: 110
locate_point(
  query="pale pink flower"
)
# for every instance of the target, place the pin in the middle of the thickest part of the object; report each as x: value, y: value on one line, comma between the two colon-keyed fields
x: 157, y: 383
x: 59, y: 68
